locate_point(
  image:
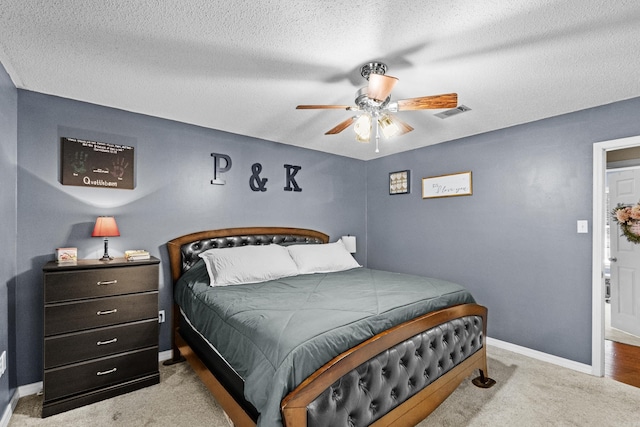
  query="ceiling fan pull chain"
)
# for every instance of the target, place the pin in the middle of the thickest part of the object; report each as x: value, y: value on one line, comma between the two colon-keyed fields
x: 377, y: 134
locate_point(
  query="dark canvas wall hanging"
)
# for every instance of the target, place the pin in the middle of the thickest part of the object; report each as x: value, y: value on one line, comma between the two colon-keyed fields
x: 96, y: 164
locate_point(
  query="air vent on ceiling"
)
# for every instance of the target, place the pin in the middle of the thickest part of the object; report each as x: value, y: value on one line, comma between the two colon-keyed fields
x: 452, y: 112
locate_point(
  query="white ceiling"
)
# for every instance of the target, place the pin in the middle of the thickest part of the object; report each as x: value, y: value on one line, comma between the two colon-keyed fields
x: 243, y: 66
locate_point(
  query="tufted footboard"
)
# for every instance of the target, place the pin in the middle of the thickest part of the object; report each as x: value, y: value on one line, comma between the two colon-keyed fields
x: 403, y: 382
x: 380, y: 384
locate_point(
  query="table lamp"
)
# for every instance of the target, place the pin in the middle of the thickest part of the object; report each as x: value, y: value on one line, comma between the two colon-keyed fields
x: 105, y: 227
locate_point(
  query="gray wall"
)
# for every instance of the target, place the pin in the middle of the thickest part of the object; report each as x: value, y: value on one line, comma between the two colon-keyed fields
x: 173, y: 196
x: 8, y: 220
x: 513, y: 243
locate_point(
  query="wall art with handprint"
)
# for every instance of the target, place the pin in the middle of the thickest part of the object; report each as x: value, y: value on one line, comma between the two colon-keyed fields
x: 96, y: 164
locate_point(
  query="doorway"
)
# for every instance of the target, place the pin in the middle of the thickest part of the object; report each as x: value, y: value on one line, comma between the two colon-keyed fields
x: 622, y: 317
x: 600, y: 151
x: 622, y: 262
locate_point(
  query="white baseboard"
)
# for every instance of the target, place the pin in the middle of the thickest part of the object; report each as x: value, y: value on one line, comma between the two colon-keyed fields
x: 165, y: 355
x: 535, y: 354
x: 8, y: 412
x: 29, y: 389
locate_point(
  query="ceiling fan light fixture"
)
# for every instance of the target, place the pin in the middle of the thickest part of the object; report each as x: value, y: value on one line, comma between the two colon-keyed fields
x: 380, y: 86
x: 362, y: 127
x: 377, y: 111
x: 389, y: 127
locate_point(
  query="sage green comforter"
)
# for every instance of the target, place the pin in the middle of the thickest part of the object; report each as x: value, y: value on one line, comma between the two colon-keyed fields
x: 277, y: 333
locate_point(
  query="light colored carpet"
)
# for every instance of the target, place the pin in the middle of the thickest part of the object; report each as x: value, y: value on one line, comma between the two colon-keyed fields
x: 179, y: 400
x: 528, y: 393
x: 614, y: 334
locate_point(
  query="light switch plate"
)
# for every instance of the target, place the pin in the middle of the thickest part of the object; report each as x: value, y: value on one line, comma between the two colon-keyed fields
x: 583, y: 226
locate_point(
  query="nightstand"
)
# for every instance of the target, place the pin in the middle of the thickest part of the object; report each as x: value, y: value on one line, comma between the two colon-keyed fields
x: 100, y: 331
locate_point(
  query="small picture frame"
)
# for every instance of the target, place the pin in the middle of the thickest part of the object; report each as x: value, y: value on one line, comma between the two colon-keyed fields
x: 66, y: 255
x: 400, y: 182
x: 452, y: 185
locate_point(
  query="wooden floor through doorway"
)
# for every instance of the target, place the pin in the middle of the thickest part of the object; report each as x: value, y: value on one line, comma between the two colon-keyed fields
x: 622, y: 362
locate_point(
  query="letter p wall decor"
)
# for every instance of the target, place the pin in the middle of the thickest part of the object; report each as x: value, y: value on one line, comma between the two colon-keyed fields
x: 221, y: 164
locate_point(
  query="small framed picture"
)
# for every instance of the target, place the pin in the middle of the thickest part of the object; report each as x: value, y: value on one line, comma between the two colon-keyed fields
x: 66, y: 255
x: 400, y: 182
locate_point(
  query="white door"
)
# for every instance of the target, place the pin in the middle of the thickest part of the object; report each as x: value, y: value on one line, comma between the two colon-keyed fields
x: 624, y: 187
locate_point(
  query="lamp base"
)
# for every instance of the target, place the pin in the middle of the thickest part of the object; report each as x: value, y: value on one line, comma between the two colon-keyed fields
x: 106, y: 256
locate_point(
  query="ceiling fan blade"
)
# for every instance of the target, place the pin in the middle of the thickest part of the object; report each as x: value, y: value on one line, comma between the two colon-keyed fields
x: 448, y: 100
x: 323, y: 107
x: 404, y: 127
x: 380, y: 86
x: 342, y: 126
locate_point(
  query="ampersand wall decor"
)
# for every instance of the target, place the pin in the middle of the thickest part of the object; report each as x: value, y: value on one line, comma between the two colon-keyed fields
x: 255, y: 182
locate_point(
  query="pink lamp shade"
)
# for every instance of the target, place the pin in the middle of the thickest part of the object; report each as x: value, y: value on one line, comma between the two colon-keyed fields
x: 105, y: 227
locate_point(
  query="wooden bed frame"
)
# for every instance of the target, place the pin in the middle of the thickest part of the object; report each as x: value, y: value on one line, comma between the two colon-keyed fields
x: 294, y: 405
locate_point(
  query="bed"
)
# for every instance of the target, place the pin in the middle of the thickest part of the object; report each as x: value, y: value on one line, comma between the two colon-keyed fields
x: 313, y: 348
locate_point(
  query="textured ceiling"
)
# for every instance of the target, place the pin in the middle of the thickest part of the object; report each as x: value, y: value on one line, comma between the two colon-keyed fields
x: 242, y: 66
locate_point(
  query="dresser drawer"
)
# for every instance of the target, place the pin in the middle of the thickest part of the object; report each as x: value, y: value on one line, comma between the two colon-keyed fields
x: 80, y: 346
x: 73, y: 379
x: 72, y: 285
x: 76, y: 316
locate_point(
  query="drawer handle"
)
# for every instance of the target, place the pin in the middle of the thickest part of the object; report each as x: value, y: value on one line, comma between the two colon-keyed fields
x: 102, y: 313
x: 107, y: 282
x: 107, y: 342
x: 110, y: 371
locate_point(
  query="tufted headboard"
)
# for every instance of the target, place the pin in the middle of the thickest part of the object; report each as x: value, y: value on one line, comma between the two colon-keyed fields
x: 184, y: 250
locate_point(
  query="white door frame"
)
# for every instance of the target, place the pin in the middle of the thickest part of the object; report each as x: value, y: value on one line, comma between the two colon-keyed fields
x: 597, y: 319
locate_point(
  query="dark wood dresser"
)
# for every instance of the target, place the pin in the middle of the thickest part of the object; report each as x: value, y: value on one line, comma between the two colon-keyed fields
x: 100, y: 331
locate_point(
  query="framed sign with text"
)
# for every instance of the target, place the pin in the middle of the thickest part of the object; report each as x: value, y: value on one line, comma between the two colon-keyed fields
x: 96, y: 164
x: 457, y: 184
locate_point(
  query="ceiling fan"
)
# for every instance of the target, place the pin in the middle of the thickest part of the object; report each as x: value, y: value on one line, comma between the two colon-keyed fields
x: 373, y: 102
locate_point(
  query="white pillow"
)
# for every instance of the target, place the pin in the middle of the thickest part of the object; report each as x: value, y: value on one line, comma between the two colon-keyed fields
x: 325, y: 258
x: 248, y: 264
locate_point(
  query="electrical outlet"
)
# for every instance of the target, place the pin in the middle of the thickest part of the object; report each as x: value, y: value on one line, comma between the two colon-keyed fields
x: 161, y: 316
x: 3, y: 363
